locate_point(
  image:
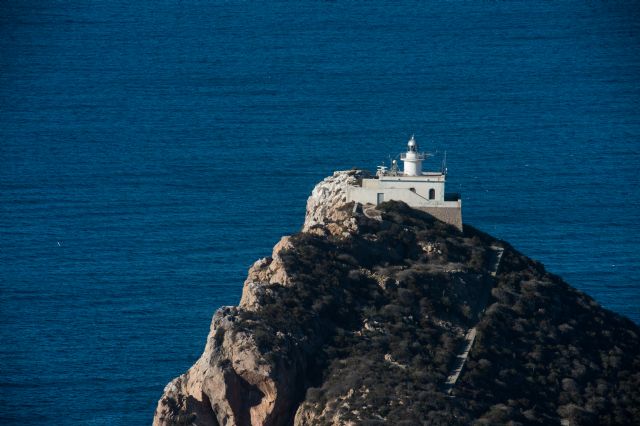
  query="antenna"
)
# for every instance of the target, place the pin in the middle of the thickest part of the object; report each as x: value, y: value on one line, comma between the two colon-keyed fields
x: 394, y: 168
x: 444, y: 164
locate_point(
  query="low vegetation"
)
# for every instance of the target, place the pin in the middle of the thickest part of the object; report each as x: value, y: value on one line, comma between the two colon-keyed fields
x: 378, y: 318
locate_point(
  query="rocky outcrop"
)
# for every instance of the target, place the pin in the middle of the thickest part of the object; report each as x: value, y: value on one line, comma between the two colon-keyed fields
x: 360, y: 318
x: 326, y: 207
x: 232, y: 382
x: 263, y: 274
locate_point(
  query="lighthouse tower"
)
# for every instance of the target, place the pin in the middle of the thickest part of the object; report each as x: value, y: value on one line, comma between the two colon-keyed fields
x: 412, y: 159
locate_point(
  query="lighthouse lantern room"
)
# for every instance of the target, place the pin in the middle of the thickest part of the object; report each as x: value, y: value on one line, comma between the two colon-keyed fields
x: 412, y: 159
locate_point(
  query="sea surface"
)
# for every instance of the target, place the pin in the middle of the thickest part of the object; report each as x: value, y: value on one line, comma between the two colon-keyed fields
x: 150, y: 152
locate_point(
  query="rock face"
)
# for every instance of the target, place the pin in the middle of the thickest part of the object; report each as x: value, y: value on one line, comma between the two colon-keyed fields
x: 325, y: 206
x: 233, y: 382
x: 362, y: 316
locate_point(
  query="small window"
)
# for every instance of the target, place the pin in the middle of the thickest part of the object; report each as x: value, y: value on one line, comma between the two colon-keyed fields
x: 432, y: 194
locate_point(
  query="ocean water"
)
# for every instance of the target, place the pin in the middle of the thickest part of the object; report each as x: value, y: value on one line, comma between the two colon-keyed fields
x: 151, y: 151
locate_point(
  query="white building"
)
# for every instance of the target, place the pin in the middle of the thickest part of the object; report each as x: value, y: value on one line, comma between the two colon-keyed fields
x: 420, y: 190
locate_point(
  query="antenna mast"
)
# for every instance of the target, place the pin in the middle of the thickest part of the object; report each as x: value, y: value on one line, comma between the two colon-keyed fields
x: 444, y: 164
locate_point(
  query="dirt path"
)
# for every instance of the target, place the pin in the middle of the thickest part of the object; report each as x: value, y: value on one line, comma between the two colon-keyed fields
x: 470, y: 336
x: 460, y: 360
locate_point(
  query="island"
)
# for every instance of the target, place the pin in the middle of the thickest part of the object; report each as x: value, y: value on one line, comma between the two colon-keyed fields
x: 380, y: 313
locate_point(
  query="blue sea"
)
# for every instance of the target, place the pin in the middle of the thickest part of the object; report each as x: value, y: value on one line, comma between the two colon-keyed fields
x: 150, y: 152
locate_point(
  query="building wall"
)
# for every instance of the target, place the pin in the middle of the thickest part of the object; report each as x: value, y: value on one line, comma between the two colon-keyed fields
x: 446, y: 211
x: 370, y: 196
x: 421, y: 186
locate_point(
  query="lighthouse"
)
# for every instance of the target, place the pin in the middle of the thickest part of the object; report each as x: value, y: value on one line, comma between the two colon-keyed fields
x: 412, y: 159
x: 423, y: 190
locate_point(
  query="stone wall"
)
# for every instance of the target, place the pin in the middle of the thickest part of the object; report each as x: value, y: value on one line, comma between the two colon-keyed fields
x: 450, y: 215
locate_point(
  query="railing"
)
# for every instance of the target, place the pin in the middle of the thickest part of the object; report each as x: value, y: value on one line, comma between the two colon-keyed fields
x: 418, y: 156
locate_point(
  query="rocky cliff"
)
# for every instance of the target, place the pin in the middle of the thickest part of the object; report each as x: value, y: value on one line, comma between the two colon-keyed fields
x: 387, y: 316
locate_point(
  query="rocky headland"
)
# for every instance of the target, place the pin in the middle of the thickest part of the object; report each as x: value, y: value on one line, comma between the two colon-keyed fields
x: 384, y: 315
